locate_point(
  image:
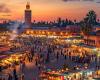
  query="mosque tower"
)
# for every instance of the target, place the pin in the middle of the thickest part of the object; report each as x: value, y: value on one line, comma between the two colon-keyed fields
x: 28, y: 15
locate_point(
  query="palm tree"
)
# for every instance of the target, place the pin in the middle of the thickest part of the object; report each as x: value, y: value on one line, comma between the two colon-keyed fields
x: 91, y: 17
x: 86, y: 28
x: 88, y: 22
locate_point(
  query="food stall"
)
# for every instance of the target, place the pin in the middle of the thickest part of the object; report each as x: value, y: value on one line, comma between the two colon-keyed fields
x: 8, y: 61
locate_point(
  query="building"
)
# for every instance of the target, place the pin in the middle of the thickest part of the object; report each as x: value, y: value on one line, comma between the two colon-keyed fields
x: 93, y: 39
x: 55, y: 31
x: 96, y: 27
x: 28, y: 16
x: 73, y: 29
x: 46, y: 31
x: 4, y: 48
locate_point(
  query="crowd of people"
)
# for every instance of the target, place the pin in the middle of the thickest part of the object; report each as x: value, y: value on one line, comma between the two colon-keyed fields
x: 39, y: 51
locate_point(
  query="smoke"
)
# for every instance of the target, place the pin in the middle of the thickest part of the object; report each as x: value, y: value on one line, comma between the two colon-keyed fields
x: 14, y: 29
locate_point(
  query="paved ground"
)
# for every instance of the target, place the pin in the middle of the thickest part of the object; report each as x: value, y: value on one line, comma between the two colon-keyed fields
x: 31, y: 72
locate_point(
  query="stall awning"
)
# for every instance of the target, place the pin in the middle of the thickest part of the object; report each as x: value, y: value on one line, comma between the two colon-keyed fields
x: 86, y: 46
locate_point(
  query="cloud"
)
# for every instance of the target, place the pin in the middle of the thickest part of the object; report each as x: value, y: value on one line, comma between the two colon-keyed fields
x: 70, y: 0
x: 98, y: 1
x: 4, y: 8
x: 95, y: 1
x: 77, y: 0
x: 7, y: 15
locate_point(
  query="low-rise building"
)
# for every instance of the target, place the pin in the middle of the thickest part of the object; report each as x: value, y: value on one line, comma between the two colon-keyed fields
x: 93, y: 39
x: 96, y: 28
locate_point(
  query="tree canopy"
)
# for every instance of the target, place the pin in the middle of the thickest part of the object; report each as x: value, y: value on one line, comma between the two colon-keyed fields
x: 88, y: 22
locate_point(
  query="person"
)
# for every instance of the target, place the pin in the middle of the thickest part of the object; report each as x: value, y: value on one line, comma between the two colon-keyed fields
x: 36, y: 62
x: 0, y: 68
x: 21, y: 66
x: 15, y: 74
x: 57, y: 56
x: 65, y: 57
x: 22, y: 77
x: 16, y: 77
x: 9, y: 77
x: 39, y: 67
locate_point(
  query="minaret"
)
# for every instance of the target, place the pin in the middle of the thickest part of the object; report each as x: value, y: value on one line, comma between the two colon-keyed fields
x: 28, y: 15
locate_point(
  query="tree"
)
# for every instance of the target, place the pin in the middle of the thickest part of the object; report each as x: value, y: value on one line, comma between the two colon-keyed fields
x: 88, y: 22
x: 91, y: 17
x: 86, y: 28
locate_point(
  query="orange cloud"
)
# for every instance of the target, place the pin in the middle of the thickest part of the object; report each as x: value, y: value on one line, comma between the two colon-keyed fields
x: 4, y: 8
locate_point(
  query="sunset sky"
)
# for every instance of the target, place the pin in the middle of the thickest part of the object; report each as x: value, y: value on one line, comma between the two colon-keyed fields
x: 48, y: 9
